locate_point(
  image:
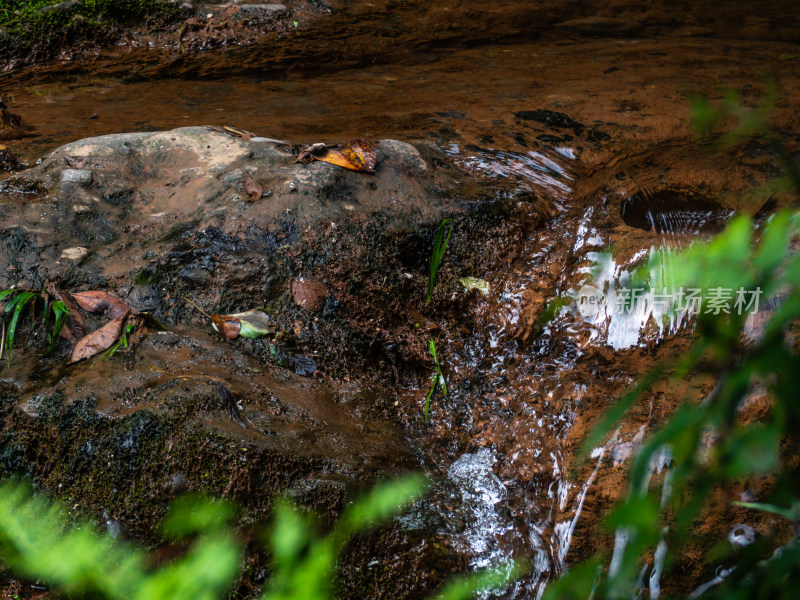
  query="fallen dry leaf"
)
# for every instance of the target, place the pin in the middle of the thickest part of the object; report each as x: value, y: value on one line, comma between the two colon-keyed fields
x: 335, y: 157
x: 97, y: 302
x: 356, y: 155
x: 361, y: 154
x: 309, y: 294
x: 98, y: 341
x: 310, y: 153
x: 253, y: 188
x: 228, y: 326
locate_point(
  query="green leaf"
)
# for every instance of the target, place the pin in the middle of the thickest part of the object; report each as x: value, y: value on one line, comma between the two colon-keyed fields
x: 752, y: 450
x: 705, y: 117
x: 638, y: 513
x: 385, y: 500
x: 122, y: 341
x: 438, y: 376
x: 432, y: 350
x: 772, y: 250
x: 430, y: 394
x: 578, y: 583
x: 482, y: 582
x: 204, y: 573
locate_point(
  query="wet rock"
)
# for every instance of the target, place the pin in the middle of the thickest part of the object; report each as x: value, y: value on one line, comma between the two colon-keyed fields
x: 178, y: 482
x: 79, y: 176
x: 158, y: 226
x: 551, y: 118
x: 405, y: 152
x: 674, y: 212
x: 161, y: 425
x: 232, y: 177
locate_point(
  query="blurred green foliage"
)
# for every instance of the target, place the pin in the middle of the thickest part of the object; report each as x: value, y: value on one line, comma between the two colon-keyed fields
x: 707, y: 444
x: 40, y: 540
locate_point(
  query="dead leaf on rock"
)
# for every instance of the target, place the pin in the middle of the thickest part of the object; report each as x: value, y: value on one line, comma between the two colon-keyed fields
x: 309, y: 294
x: 311, y: 153
x: 253, y: 188
x: 98, y: 341
x: 227, y: 326
x: 361, y: 154
x: 356, y: 155
x: 335, y: 157
x: 97, y: 302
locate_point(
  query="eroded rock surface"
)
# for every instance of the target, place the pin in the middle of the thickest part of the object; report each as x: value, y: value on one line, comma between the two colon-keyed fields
x: 160, y: 217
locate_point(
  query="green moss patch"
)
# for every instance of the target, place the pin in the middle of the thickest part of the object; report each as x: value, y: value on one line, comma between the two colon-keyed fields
x: 37, y: 29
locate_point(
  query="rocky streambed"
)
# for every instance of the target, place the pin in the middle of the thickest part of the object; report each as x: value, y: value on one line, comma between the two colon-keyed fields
x: 544, y: 153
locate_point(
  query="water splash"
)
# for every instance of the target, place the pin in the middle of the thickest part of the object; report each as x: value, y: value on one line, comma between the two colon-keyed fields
x: 481, y: 490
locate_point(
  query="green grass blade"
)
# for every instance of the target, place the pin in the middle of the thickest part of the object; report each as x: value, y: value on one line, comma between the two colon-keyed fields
x: 123, y: 340
x: 17, y: 304
x: 12, y: 303
x: 439, y: 247
x: 60, y: 314
x: 430, y: 395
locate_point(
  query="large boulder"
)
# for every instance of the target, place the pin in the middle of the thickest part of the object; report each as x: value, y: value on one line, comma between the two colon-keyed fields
x: 159, y: 217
